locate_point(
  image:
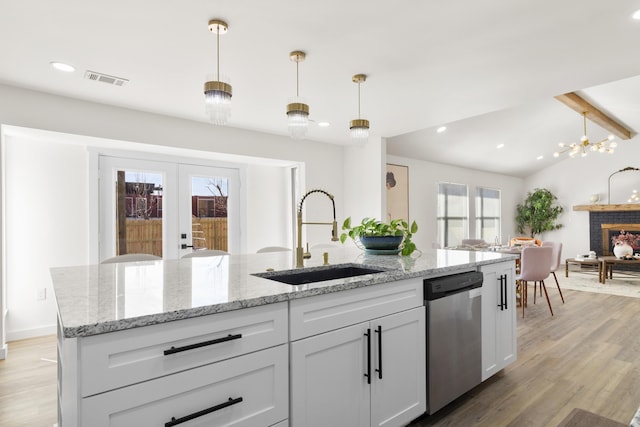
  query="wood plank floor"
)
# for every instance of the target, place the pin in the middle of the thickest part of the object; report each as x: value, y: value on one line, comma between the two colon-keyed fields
x: 28, y: 383
x: 586, y: 356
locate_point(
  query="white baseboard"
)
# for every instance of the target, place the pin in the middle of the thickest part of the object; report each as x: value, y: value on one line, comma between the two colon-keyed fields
x: 31, y: 333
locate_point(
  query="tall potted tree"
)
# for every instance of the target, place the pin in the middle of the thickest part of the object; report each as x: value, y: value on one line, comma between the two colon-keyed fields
x: 538, y: 213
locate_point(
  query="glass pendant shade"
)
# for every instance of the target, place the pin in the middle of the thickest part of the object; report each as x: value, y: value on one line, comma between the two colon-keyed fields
x: 217, y: 101
x: 298, y: 119
x: 359, y: 129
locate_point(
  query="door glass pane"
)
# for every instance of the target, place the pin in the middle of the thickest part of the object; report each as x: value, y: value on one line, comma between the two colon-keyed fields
x: 209, y: 212
x: 138, y: 212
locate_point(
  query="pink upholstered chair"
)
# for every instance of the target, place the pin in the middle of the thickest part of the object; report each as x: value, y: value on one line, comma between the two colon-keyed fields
x: 556, y: 261
x: 535, y: 266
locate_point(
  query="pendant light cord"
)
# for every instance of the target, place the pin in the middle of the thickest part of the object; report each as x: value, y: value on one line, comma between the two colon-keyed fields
x: 358, y: 100
x: 218, y: 49
x: 297, y: 78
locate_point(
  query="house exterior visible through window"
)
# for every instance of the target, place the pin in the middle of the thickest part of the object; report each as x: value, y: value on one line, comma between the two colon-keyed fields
x: 488, y: 214
x: 453, y: 213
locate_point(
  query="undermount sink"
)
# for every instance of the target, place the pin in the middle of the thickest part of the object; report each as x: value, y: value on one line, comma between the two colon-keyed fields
x: 295, y: 277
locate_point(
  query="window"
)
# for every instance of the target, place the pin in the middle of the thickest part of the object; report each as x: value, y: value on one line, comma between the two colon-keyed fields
x: 488, y: 214
x: 453, y: 213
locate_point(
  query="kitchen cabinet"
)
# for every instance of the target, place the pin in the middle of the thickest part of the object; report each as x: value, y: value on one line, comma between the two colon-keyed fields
x: 358, y: 371
x: 220, y: 369
x: 499, y: 347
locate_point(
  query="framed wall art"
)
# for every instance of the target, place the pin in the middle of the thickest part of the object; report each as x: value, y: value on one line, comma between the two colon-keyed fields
x: 397, y: 184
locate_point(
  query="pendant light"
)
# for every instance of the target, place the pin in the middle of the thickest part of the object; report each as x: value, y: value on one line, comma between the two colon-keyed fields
x: 606, y: 145
x: 359, y: 128
x: 297, y: 111
x: 217, y: 93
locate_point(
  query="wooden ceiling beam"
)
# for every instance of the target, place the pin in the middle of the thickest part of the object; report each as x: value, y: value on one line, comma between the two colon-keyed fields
x: 581, y: 105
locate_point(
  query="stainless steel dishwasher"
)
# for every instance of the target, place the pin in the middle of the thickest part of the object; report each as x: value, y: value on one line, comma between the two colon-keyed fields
x: 454, y: 352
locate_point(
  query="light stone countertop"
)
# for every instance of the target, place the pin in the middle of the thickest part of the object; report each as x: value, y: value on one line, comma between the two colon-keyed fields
x: 95, y: 299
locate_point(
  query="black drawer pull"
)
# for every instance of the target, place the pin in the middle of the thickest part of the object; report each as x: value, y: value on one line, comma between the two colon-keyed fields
x: 229, y: 337
x: 175, y: 421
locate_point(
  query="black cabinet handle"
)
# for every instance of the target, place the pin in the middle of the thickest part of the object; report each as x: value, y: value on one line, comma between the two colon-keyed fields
x: 379, y: 370
x: 501, y: 305
x: 185, y: 246
x: 175, y: 421
x: 368, y: 374
x: 229, y: 337
x: 506, y: 298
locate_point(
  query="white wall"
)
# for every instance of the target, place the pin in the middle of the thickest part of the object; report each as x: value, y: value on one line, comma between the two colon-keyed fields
x: 423, y: 190
x: 47, y: 226
x: 573, y: 181
x: 323, y: 167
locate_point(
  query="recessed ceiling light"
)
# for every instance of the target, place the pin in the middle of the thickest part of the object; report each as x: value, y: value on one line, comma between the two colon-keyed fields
x: 324, y: 124
x: 61, y: 66
x: 636, y: 15
x: 500, y: 146
x: 441, y: 129
x: 539, y: 157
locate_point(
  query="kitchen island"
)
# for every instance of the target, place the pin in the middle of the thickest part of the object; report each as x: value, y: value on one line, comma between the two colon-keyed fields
x: 158, y: 340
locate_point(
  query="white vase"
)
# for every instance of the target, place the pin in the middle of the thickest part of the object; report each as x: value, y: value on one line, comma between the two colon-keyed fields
x: 620, y: 251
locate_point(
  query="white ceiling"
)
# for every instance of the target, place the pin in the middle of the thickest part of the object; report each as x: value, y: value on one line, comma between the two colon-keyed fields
x: 488, y: 70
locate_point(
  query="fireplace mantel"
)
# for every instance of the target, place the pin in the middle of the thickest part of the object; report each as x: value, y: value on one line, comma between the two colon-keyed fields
x: 608, y: 208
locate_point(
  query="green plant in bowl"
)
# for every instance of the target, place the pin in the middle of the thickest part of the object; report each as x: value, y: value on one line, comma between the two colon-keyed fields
x: 370, y: 227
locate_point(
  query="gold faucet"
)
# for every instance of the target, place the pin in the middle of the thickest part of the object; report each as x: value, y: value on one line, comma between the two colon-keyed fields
x: 301, y: 255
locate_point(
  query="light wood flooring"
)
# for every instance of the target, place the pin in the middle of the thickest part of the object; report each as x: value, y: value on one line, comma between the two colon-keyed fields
x: 586, y: 356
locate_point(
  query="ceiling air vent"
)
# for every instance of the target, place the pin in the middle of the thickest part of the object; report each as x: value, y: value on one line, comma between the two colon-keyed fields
x: 105, y: 78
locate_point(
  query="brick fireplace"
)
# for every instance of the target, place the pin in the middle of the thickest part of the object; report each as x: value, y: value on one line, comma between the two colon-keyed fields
x: 606, y: 221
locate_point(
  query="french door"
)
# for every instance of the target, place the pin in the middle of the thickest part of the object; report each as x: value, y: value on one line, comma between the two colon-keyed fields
x: 167, y: 209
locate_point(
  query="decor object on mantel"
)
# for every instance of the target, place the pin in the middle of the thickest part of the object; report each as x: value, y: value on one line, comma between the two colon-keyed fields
x: 628, y: 168
x: 538, y: 213
x: 624, y: 244
x: 383, y: 238
x: 217, y: 93
x: 606, y: 145
x: 594, y: 198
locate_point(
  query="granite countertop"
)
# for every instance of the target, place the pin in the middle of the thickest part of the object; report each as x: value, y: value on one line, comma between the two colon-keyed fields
x: 95, y: 299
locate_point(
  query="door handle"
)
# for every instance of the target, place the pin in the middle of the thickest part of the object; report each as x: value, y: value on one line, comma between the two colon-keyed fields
x: 379, y: 370
x: 506, y: 298
x: 368, y: 374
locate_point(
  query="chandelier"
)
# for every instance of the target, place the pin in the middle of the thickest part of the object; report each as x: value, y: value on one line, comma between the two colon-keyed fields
x: 217, y: 93
x: 297, y: 111
x: 359, y: 128
x: 605, y: 145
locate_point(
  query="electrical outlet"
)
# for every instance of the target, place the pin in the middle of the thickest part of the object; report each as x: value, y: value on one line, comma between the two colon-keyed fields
x: 41, y: 294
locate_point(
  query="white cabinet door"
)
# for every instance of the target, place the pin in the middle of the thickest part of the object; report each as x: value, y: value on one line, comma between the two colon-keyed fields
x: 499, y: 347
x: 328, y: 383
x: 398, y: 386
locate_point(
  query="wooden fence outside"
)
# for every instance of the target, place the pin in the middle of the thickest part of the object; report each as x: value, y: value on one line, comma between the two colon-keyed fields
x: 145, y: 235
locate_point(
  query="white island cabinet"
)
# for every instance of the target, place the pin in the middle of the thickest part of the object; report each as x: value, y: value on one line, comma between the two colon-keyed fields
x: 499, y: 347
x: 358, y: 357
x: 212, y: 341
x: 223, y: 369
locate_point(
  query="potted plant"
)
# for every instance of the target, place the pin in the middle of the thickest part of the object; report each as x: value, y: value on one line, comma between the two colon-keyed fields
x: 538, y: 213
x: 379, y: 236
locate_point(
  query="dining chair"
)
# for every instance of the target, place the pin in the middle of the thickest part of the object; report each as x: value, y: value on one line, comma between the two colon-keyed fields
x: 273, y: 249
x: 130, y: 258
x: 525, y: 241
x: 556, y: 261
x: 535, y: 266
x: 205, y: 252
